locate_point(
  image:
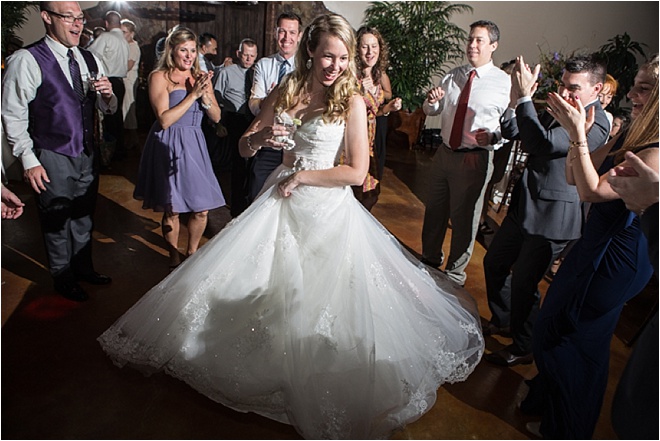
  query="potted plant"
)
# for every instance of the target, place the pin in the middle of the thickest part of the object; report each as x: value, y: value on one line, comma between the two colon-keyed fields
x: 619, y: 52
x: 422, y: 40
x: 14, y: 16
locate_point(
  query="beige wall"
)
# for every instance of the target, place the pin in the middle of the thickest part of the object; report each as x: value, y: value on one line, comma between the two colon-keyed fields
x: 554, y: 26
x: 564, y: 26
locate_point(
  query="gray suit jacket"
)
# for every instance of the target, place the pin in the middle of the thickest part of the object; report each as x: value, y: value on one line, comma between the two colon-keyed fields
x: 547, y: 205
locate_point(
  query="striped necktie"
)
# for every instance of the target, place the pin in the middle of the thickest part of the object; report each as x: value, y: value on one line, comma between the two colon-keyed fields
x: 282, y: 72
x: 76, y: 79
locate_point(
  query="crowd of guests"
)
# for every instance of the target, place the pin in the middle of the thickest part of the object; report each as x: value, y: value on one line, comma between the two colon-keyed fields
x: 578, y: 153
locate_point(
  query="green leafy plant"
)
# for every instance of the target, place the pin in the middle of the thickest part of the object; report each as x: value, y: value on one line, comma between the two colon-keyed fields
x: 14, y: 15
x: 621, y: 52
x: 421, y: 39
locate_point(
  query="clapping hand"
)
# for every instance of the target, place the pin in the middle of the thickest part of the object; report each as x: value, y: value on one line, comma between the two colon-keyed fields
x: 434, y: 95
x: 393, y: 106
x: 523, y: 79
x: 570, y: 112
x: 202, y: 84
x: 635, y: 182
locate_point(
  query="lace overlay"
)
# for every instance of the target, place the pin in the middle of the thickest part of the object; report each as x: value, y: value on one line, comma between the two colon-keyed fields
x: 308, y: 311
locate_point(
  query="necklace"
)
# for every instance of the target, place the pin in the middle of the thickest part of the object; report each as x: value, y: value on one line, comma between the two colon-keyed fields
x: 308, y: 99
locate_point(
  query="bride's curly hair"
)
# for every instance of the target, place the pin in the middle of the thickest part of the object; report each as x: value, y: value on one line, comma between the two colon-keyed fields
x: 338, y: 95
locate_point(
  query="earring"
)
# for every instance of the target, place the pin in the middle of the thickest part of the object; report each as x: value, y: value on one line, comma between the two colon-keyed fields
x: 308, y: 65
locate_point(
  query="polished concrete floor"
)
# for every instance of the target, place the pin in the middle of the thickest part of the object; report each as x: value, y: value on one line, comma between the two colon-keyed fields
x: 58, y: 384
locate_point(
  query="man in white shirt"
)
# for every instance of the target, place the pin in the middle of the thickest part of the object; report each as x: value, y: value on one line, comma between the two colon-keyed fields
x: 48, y: 107
x: 112, y: 49
x: 268, y: 72
x: 462, y: 171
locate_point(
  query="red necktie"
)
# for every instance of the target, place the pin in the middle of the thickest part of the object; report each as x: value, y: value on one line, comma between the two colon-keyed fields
x: 459, y: 120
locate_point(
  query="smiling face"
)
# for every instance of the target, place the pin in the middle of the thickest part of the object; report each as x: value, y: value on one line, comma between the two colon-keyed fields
x: 578, y: 84
x: 369, y: 50
x: 184, y: 55
x: 59, y: 30
x: 330, y: 59
x: 605, y: 96
x: 479, y: 49
x: 640, y: 92
x: 288, y: 36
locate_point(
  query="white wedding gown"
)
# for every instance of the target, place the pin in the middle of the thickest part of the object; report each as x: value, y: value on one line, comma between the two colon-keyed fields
x: 308, y: 311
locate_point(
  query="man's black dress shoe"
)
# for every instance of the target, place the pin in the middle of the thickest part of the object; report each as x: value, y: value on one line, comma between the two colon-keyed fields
x: 504, y: 357
x: 72, y: 291
x: 488, y: 328
x: 94, y: 278
x: 431, y: 264
x: 485, y: 229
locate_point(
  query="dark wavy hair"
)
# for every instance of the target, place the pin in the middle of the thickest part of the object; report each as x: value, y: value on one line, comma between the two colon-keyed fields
x: 383, y: 57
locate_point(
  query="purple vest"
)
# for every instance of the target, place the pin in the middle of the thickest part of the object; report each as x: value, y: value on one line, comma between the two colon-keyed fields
x: 59, y: 121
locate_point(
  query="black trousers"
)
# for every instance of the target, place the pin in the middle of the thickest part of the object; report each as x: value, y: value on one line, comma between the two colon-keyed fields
x: 237, y: 124
x: 113, y: 125
x: 526, y: 258
x: 263, y: 163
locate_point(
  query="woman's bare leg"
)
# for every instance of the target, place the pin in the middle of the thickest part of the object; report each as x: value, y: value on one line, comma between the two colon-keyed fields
x: 170, y: 227
x: 196, y: 227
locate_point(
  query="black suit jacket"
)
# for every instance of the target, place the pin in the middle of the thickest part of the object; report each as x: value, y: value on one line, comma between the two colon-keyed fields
x: 548, y: 205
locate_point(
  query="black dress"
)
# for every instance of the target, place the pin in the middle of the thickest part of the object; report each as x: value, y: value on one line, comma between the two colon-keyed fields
x: 608, y: 266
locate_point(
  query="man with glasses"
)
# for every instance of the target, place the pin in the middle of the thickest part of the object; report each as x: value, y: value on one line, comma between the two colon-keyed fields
x: 268, y: 72
x: 112, y: 49
x: 48, y: 107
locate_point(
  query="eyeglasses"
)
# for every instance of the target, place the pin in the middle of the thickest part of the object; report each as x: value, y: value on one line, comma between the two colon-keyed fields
x: 69, y: 18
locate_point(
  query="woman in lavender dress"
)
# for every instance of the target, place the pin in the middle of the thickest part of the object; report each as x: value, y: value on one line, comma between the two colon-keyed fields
x: 175, y: 174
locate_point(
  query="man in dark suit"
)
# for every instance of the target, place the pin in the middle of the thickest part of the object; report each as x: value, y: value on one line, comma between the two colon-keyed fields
x: 545, y: 212
x: 48, y: 108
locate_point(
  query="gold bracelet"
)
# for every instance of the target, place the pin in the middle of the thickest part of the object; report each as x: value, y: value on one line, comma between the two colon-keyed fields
x: 579, y: 154
x: 578, y: 144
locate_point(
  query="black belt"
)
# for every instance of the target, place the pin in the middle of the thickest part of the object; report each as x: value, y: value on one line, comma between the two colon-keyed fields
x: 465, y: 150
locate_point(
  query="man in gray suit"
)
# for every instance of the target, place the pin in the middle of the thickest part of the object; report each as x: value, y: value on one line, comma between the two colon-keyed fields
x: 545, y: 212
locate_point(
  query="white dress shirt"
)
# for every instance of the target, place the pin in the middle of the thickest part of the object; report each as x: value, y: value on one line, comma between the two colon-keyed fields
x: 112, y: 49
x: 489, y: 98
x: 266, y: 73
x: 22, y: 78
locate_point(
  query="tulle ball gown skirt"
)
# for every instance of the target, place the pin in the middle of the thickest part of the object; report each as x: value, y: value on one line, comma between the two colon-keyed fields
x: 308, y: 311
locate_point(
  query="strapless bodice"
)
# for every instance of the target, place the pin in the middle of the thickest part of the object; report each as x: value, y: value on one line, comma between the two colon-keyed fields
x: 318, y: 144
x: 193, y: 116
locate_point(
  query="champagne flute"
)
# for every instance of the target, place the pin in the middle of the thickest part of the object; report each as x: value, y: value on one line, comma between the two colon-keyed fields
x: 92, y: 78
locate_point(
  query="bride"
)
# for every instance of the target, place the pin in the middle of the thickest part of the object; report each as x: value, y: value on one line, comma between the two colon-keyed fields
x: 305, y: 309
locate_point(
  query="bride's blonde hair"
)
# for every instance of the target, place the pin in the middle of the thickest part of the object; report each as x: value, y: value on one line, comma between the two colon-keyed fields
x: 338, y: 95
